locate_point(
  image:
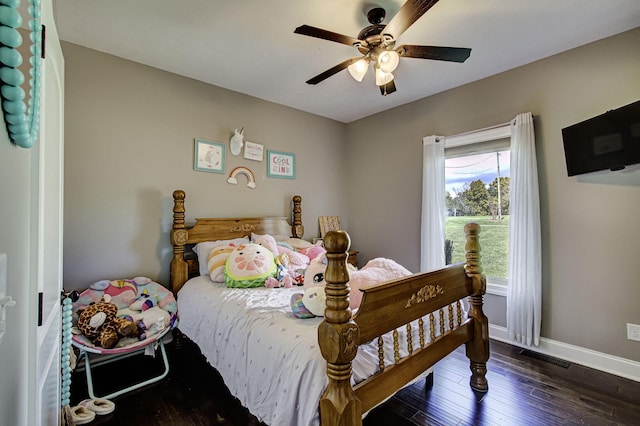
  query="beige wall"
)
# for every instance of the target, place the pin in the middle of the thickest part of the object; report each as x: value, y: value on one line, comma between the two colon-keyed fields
x: 129, y: 145
x: 590, y: 235
x: 129, y: 136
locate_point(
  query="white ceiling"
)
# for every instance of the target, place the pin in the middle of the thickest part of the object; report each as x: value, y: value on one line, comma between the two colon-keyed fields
x: 249, y: 46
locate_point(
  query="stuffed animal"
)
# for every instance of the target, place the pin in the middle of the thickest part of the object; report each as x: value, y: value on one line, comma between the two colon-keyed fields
x: 217, y: 261
x: 143, y: 302
x: 296, y: 260
x: 249, y: 265
x: 310, y: 304
x: 100, y: 323
x: 283, y: 277
x: 315, y: 251
x: 152, y: 321
x: 375, y: 271
x: 305, y: 247
x: 149, y: 321
x: 314, y: 274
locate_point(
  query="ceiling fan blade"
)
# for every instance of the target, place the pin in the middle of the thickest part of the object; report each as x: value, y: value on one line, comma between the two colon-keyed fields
x: 388, y: 88
x: 438, y: 53
x: 409, y: 13
x: 326, y: 35
x: 331, y: 71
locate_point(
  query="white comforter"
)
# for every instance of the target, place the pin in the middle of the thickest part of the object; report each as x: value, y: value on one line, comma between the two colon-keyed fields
x: 269, y: 359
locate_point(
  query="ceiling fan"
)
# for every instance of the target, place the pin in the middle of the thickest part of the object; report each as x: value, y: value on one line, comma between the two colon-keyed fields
x: 376, y: 44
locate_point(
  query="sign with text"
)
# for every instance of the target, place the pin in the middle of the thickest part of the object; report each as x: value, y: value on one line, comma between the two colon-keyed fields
x: 281, y: 164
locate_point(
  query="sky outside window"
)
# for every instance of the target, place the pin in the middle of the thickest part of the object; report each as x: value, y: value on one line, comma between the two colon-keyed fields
x: 461, y: 170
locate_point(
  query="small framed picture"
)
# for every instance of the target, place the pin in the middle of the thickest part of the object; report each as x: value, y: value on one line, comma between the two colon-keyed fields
x: 281, y: 164
x: 328, y: 223
x: 208, y: 156
x: 253, y: 151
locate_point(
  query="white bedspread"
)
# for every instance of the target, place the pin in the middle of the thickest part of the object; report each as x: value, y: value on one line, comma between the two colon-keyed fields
x: 269, y: 359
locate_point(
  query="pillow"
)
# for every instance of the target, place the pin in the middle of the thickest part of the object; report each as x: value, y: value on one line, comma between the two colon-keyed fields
x: 203, y: 249
x: 298, y: 243
x: 249, y: 265
x: 217, y: 261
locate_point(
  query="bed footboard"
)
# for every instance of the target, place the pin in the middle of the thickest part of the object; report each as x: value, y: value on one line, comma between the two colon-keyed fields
x: 426, y: 307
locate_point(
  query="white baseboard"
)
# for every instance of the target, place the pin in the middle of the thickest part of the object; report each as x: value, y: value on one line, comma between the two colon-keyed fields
x: 600, y: 361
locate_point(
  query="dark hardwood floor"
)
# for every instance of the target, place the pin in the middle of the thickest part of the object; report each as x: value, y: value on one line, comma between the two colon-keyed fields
x: 523, y: 390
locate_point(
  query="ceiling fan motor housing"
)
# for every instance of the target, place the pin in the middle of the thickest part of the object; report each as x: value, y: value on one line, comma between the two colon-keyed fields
x: 371, y: 35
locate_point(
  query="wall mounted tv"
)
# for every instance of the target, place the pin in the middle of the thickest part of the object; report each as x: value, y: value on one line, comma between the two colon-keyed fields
x: 609, y: 141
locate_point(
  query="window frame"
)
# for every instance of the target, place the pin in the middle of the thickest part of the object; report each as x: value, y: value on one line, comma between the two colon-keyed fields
x: 495, y: 286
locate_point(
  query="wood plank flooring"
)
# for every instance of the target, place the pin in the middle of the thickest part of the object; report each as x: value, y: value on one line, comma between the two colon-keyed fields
x: 523, y: 390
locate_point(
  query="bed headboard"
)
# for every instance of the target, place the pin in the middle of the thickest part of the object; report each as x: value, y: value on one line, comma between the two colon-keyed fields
x: 184, y: 263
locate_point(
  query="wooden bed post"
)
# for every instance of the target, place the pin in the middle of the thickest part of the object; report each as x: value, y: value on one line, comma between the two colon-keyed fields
x: 179, y: 268
x: 338, y: 338
x: 297, y: 230
x: 478, y: 346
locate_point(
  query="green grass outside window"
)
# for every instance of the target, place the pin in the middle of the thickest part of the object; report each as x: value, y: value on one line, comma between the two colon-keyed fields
x: 494, y: 242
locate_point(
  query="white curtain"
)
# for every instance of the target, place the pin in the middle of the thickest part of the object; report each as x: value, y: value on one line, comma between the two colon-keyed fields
x: 433, y: 204
x: 524, y: 303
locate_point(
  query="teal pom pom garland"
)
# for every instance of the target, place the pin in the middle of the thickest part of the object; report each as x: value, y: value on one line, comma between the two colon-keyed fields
x: 22, y: 119
x: 65, y: 349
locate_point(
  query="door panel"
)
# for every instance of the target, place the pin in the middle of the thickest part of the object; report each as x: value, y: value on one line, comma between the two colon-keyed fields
x: 48, y: 270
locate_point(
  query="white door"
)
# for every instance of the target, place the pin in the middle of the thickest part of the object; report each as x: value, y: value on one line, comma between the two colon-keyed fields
x: 47, y: 247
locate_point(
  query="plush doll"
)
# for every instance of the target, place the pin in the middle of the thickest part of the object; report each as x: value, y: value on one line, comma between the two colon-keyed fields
x: 305, y: 247
x: 152, y: 321
x: 100, y: 324
x: 283, y: 277
x: 375, y: 271
x: 143, y: 302
x: 217, y: 261
x: 296, y: 260
x: 149, y: 321
x: 310, y: 304
x: 314, y: 252
x: 249, y: 265
x: 314, y: 274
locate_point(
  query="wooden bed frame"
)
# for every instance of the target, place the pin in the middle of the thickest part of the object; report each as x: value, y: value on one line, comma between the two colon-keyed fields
x: 408, y: 302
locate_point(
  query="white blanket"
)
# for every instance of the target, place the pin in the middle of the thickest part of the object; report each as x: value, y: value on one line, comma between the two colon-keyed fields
x: 269, y: 359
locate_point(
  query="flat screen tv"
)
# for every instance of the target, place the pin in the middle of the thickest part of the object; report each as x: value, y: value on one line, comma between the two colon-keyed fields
x: 609, y: 141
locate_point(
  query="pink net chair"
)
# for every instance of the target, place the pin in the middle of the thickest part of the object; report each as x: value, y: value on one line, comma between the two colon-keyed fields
x: 154, y: 325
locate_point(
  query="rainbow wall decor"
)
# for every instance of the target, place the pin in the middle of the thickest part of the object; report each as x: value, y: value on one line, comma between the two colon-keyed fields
x: 233, y: 176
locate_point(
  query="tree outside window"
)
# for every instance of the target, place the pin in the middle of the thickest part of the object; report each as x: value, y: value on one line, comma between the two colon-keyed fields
x: 477, y: 189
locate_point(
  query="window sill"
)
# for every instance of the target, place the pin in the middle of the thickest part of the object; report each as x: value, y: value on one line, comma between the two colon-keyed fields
x: 496, y: 289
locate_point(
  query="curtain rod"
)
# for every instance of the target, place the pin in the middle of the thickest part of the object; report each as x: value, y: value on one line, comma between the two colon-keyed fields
x: 508, y: 123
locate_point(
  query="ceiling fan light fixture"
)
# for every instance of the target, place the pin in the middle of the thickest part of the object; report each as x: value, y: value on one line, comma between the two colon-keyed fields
x: 388, y: 60
x: 358, y: 69
x: 382, y: 77
x: 376, y: 43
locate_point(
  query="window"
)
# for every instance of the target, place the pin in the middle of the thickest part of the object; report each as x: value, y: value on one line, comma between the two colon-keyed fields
x: 477, y: 190
x: 524, y: 289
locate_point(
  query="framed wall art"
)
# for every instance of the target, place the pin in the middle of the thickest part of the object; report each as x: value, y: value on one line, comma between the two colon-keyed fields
x: 281, y: 164
x: 208, y: 156
x: 328, y: 223
x: 253, y: 151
